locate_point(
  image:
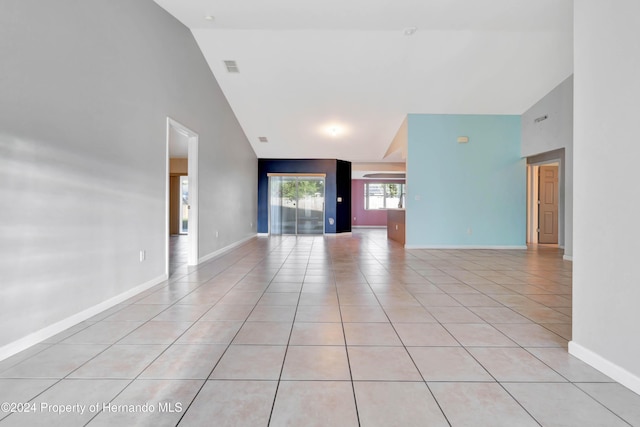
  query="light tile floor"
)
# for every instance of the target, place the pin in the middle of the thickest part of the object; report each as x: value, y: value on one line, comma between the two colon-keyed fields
x: 328, y: 331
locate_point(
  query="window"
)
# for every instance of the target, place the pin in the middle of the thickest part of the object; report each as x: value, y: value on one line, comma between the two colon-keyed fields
x: 383, y: 196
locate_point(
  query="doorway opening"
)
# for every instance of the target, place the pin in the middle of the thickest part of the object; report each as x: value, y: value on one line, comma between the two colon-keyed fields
x: 296, y: 204
x: 184, y: 205
x: 543, y: 188
x: 181, y: 195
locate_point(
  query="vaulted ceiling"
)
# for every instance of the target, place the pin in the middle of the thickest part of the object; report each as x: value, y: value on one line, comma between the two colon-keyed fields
x: 335, y: 79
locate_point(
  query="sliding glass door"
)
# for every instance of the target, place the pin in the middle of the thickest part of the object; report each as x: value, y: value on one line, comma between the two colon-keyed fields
x: 296, y: 204
x: 310, y: 212
x: 283, y: 205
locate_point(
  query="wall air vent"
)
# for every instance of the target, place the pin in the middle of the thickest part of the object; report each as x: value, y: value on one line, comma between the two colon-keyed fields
x: 232, y: 66
x: 263, y: 139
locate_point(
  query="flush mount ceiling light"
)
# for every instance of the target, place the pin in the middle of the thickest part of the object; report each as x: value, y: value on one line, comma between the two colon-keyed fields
x: 232, y: 66
x: 334, y: 130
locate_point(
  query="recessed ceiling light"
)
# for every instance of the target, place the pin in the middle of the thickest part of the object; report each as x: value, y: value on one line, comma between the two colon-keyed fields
x: 209, y: 17
x: 232, y: 66
x: 409, y: 31
x: 334, y: 130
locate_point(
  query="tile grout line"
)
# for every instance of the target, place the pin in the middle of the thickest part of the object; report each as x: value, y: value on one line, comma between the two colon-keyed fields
x: 284, y: 358
x: 346, y: 349
x: 408, y: 353
x: 173, y: 343
x: 231, y: 340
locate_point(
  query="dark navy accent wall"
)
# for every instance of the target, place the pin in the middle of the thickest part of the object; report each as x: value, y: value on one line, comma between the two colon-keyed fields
x: 328, y: 167
x: 343, y: 209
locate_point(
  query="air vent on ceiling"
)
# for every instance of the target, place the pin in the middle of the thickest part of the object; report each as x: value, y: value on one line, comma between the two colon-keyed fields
x: 409, y: 31
x: 232, y: 66
x: 263, y: 139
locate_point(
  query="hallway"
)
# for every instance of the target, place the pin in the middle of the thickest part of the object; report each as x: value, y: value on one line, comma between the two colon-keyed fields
x: 340, y: 330
x: 178, y: 255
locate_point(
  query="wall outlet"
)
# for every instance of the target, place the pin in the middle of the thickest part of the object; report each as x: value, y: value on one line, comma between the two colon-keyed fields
x: 217, y: 234
x: 251, y: 225
x: 354, y: 218
x: 143, y: 255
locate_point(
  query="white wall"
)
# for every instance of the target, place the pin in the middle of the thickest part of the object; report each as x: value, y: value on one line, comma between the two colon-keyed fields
x: 606, y: 284
x: 554, y: 133
x: 86, y: 88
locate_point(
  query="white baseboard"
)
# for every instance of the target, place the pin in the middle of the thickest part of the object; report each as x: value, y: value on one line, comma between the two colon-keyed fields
x: 368, y: 226
x: 263, y: 234
x: 463, y: 247
x: 605, y: 366
x: 225, y: 249
x: 51, y: 330
x: 344, y: 233
x: 567, y: 258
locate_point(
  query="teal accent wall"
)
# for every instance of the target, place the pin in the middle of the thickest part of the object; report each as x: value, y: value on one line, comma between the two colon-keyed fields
x: 471, y: 194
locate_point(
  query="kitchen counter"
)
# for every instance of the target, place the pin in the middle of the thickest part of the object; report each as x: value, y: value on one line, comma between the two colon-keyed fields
x: 396, y: 225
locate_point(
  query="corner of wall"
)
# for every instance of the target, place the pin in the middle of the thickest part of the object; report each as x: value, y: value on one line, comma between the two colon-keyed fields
x: 605, y: 366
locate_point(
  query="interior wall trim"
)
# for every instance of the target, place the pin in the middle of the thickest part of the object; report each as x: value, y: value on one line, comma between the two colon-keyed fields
x: 54, y: 329
x: 605, y: 366
x: 226, y: 249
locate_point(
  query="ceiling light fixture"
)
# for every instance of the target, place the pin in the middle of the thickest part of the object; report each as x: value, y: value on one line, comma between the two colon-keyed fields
x: 334, y: 130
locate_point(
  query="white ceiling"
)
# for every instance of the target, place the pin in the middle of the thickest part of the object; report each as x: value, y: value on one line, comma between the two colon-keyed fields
x: 309, y: 67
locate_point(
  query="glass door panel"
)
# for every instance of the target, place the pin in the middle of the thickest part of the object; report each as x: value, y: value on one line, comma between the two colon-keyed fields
x: 283, y: 204
x: 310, y: 205
x: 296, y: 205
x: 184, y: 205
